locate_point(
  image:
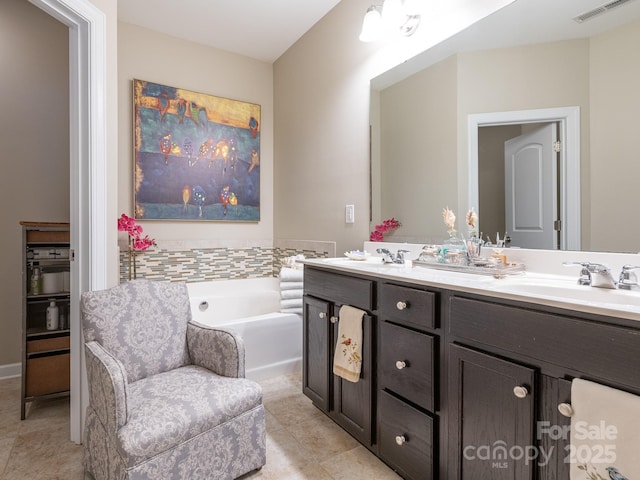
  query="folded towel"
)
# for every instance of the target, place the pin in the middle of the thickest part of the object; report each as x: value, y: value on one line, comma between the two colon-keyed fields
x: 294, y: 293
x: 291, y: 285
x: 291, y: 302
x: 347, y: 360
x: 291, y: 275
x: 605, y: 432
x: 292, y: 310
x: 292, y: 262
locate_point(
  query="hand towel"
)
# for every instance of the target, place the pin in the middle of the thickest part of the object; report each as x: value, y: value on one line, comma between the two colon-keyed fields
x: 293, y: 293
x: 291, y: 285
x: 605, y: 432
x: 291, y: 303
x: 291, y: 275
x: 347, y: 359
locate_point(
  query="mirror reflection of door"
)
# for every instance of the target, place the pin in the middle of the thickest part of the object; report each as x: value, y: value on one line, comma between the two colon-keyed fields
x: 518, y: 178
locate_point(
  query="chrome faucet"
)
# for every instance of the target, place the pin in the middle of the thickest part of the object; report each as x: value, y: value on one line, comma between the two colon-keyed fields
x: 388, y: 257
x: 625, y: 281
x: 595, y: 274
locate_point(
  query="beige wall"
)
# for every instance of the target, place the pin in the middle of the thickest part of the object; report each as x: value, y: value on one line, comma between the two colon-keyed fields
x: 615, y: 169
x: 419, y: 171
x: 148, y: 55
x: 34, y: 132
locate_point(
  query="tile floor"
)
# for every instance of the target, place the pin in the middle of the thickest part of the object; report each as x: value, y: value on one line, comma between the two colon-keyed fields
x: 302, y: 443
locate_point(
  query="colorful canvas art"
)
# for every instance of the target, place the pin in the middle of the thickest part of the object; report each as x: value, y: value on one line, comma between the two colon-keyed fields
x: 197, y: 156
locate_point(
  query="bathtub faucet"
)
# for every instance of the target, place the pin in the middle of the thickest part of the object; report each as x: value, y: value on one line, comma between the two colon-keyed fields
x: 388, y: 257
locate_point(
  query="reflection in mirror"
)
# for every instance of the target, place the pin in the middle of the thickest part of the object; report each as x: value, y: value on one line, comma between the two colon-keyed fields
x: 420, y: 124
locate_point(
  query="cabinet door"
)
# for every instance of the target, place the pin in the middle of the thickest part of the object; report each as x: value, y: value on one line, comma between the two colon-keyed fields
x: 352, y: 407
x: 316, y: 351
x: 492, y: 417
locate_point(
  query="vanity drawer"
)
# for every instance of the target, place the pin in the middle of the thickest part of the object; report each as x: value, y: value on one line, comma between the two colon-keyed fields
x: 409, y: 306
x: 340, y: 289
x: 405, y: 438
x: 406, y: 364
x: 602, y: 349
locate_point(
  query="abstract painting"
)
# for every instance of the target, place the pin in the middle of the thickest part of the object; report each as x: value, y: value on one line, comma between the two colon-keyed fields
x: 197, y: 156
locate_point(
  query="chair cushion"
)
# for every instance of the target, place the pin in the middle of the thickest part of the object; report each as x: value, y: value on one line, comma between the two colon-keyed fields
x: 142, y: 323
x: 172, y: 407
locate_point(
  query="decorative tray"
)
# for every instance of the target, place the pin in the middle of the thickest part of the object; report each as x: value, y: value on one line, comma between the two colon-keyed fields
x: 497, y: 270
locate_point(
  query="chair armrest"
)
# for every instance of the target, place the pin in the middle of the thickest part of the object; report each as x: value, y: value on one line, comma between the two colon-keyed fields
x: 108, y: 386
x: 216, y: 349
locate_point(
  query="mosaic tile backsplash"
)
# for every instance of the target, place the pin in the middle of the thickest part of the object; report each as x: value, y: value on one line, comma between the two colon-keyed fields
x: 202, y: 264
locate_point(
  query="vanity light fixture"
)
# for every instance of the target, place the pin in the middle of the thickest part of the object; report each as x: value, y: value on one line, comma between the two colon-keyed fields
x: 396, y: 16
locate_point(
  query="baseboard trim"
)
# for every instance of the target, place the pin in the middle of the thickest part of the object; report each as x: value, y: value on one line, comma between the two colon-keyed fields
x: 10, y: 370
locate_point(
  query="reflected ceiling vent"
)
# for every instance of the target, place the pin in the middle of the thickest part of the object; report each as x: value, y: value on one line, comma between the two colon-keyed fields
x: 600, y: 10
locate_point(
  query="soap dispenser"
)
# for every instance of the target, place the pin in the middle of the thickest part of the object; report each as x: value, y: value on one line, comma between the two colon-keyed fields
x: 35, y: 281
x: 52, y: 316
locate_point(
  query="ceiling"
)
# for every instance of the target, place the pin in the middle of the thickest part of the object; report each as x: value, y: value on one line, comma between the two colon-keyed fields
x: 258, y: 29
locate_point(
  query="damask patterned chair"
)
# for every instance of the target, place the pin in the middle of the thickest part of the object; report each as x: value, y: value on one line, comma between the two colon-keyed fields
x: 167, y: 397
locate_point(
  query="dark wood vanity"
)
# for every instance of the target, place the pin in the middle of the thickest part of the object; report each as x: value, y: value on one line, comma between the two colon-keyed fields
x: 446, y: 371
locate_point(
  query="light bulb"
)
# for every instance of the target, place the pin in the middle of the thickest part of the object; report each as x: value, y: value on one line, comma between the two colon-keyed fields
x: 371, y: 25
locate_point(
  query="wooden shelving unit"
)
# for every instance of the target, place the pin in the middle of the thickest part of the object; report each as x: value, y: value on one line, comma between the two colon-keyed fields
x: 45, y: 353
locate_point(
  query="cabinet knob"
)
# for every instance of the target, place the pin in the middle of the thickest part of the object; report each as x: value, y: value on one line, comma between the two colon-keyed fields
x: 333, y: 319
x: 400, y: 364
x: 565, y: 409
x: 520, y: 391
x: 401, y: 305
x: 322, y: 315
x: 400, y: 439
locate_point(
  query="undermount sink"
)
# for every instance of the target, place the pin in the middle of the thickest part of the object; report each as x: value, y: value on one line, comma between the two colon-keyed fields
x: 370, y: 261
x: 568, y: 289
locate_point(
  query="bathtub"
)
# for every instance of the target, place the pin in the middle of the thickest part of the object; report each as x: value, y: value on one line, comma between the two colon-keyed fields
x: 250, y: 307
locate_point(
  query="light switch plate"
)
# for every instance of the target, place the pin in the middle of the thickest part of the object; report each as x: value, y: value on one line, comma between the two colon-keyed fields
x: 349, y: 214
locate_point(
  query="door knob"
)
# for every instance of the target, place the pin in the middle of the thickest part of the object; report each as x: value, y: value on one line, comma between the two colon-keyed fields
x: 401, y: 305
x: 401, y: 439
x: 322, y: 315
x: 400, y: 364
x: 565, y: 409
x: 333, y: 319
x: 520, y: 391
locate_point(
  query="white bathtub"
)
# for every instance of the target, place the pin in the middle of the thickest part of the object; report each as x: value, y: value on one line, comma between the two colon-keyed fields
x: 250, y: 307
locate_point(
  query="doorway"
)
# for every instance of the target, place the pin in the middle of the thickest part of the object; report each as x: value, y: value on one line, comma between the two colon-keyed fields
x: 518, y: 183
x: 568, y: 120
x: 88, y: 172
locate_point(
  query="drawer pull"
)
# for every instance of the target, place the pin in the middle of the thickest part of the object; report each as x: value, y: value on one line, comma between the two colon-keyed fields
x: 322, y: 315
x: 333, y: 319
x: 565, y: 409
x: 402, y: 305
x: 401, y: 439
x: 520, y: 392
x: 400, y: 364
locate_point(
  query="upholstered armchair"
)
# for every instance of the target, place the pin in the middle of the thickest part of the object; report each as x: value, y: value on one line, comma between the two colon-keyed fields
x: 167, y: 397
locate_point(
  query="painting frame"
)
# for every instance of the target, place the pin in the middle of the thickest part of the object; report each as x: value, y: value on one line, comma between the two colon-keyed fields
x: 196, y: 155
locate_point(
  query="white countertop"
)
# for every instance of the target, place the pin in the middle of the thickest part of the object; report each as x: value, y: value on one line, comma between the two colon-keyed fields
x: 554, y: 290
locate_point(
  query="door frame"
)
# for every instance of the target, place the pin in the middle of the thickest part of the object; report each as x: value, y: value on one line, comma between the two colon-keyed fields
x: 568, y: 119
x: 88, y: 172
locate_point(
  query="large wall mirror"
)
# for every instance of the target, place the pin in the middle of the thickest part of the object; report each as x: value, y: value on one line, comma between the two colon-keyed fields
x: 494, y: 79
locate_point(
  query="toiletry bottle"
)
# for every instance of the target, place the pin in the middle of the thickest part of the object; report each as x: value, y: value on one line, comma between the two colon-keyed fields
x: 52, y: 316
x: 35, y: 281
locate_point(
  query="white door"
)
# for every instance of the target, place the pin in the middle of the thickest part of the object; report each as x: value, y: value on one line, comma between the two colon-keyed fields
x: 531, y: 199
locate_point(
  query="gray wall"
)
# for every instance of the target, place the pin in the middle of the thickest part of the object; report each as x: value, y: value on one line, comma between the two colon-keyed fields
x: 34, y: 134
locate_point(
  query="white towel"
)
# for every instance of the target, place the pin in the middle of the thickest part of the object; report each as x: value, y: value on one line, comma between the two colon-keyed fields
x: 291, y: 303
x: 291, y: 285
x: 291, y: 275
x: 293, y: 293
x: 605, y: 432
x: 347, y: 359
